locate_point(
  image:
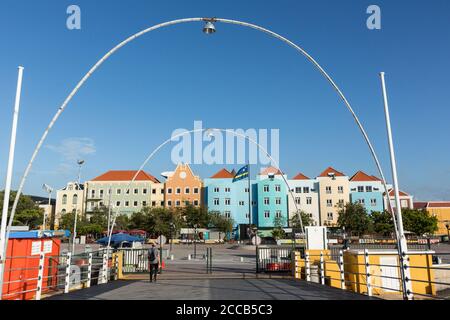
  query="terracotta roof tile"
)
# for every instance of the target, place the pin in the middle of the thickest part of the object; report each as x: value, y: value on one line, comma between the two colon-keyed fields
x: 401, y: 193
x: 300, y: 176
x: 376, y: 178
x: 420, y: 205
x: 362, y: 176
x: 331, y: 170
x: 439, y: 204
x: 125, y: 175
x: 222, y: 174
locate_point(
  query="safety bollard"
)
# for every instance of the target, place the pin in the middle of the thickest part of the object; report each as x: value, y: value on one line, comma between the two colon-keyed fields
x: 368, y: 277
x: 341, y: 269
x: 89, y: 275
x: 322, y: 269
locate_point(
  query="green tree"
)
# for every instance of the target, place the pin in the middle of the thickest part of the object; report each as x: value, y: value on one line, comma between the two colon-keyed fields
x: 294, y: 222
x: 122, y: 222
x: 382, y: 223
x: 27, y: 212
x: 221, y: 223
x: 278, y: 232
x: 354, y: 217
x: 419, y: 221
x: 195, y: 216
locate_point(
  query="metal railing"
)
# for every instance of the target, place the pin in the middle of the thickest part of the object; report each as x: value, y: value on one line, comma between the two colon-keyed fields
x: 32, y: 277
x: 373, y: 273
x: 274, y: 258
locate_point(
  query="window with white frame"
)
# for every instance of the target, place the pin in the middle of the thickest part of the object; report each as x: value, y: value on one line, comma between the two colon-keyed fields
x: 144, y: 191
x: 127, y: 203
x: 101, y: 193
x: 330, y: 215
x: 278, y: 213
x: 266, y: 188
x: 177, y: 203
x: 216, y: 189
x: 277, y: 188
x: 227, y: 189
x: 277, y: 200
x: 178, y: 191
x: 169, y: 203
x: 241, y: 203
x: 305, y: 189
x: 368, y: 188
x: 153, y: 191
x: 144, y: 203
x: 195, y: 202
x: 216, y: 201
x: 266, y: 201
x: 373, y: 202
x: 195, y: 190
x: 135, y: 203
x: 360, y: 188
x: 64, y: 199
x: 267, y: 214
x: 328, y: 189
x: 340, y: 189
x: 187, y: 190
x: 118, y: 191
x: 153, y: 203
x: 247, y: 190
x: 298, y: 189
x: 117, y: 203
x: 169, y: 191
x: 92, y: 193
x: 329, y: 202
x: 136, y: 191
x: 227, y: 214
x: 297, y: 200
x: 227, y: 201
x: 308, y: 200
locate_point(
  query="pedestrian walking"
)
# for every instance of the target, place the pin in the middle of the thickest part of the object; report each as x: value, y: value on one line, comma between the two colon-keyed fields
x: 153, y: 261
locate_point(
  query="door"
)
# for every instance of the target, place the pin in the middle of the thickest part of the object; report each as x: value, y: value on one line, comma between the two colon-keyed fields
x: 389, y: 268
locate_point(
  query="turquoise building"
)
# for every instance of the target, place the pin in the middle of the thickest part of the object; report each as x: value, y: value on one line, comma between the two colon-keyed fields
x: 368, y: 191
x: 272, y: 199
x: 230, y: 198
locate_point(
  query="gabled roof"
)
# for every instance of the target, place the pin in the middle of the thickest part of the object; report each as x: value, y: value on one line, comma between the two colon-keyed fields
x: 376, y: 178
x: 331, y: 170
x: 300, y: 176
x: 222, y: 174
x: 271, y: 170
x: 362, y: 176
x: 400, y: 192
x: 125, y: 175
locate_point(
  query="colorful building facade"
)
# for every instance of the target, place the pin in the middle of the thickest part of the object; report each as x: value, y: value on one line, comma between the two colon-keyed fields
x: 183, y: 187
x: 271, y: 198
x: 230, y: 198
x: 439, y: 209
x: 368, y: 191
x: 334, y: 192
x: 305, y: 197
x: 69, y: 199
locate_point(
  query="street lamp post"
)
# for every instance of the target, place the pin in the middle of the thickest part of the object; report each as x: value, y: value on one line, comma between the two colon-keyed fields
x: 49, y: 190
x: 172, y: 229
x: 80, y: 164
x: 447, y: 225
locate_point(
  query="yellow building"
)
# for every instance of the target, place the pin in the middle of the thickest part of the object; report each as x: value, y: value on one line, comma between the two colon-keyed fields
x: 439, y: 209
x: 334, y: 191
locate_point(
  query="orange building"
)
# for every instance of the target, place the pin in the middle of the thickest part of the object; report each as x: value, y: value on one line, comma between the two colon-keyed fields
x: 183, y: 187
x: 439, y: 209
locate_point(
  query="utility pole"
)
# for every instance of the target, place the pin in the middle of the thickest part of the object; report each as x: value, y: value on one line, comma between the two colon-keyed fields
x: 9, y: 171
x: 80, y: 163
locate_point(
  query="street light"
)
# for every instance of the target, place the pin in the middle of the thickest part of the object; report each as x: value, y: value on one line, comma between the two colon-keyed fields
x: 49, y: 190
x: 209, y: 28
x: 447, y: 225
x: 80, y: 164
x: 172, y: 229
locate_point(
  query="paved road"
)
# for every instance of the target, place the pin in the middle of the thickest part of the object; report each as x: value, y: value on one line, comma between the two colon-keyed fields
x: 211, y: 289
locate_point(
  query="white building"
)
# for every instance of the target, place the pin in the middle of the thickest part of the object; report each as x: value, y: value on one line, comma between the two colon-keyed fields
x: 71, y: 198
x: 306, y: 197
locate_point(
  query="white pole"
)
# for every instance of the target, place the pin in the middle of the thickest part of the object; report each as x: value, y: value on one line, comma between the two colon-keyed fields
x: 80, y: 163
x: 398, y: 209
x: 9, y: 178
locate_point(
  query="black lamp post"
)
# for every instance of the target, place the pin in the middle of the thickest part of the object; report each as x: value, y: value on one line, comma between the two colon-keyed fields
x: 447, y: 225
x: 195, y: 241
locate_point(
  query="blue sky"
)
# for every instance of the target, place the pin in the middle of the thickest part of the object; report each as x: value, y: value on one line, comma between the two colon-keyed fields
x: 236, y: 78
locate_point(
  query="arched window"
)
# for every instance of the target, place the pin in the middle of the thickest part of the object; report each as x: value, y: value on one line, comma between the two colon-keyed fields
x: 75, y: 199
x: 64, y: 199
x: 63, y: 211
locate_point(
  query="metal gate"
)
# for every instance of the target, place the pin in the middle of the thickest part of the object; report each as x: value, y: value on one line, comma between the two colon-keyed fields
x: 135, y: 261
x: 275, y: 259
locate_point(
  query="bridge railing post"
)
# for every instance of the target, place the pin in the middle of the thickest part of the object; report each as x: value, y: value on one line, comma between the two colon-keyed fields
x: 89, y: 272
x: 322, y: 269
x: 368, y: 276
x: 104, y: 277
x: 341, y: 269
x: 307, y: 267
x: 67, y: 278
x: 40, y: 276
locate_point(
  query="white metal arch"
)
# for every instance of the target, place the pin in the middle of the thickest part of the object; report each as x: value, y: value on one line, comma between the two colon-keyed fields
x: 173, y: 22
x: 171, y: 139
